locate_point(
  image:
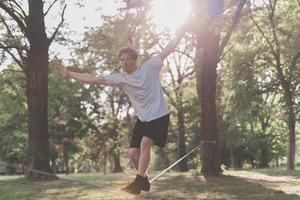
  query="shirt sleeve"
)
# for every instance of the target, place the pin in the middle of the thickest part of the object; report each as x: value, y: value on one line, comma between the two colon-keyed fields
x: 115, y: 80
x: 155, y: 63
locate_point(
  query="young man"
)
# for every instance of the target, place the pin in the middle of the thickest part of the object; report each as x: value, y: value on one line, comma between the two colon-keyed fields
x: 142, y: 85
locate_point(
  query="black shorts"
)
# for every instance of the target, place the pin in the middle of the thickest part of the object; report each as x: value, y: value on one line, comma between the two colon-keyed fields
x: 156, y: 129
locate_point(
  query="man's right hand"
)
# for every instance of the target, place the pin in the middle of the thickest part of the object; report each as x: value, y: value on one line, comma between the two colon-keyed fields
x: 62, y: 70
x: 84, y: 78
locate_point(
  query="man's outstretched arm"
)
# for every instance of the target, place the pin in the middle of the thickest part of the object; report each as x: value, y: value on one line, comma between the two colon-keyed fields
x: 174, y: 42
x: 85, y: 78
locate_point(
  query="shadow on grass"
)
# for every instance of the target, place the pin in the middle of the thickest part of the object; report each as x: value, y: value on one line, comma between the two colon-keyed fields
x: 89, y: 188
x: 171, y: 186
x: 23, y: 188
x: 223, y: 187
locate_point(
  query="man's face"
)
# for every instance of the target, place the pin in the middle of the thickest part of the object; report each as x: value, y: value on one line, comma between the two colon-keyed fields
x: 128, y: 64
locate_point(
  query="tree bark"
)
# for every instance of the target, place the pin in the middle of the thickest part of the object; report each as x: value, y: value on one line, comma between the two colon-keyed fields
x: 163, y: 158
x: 289, y: 103
x: 208, y: 40
x: 225, y: 156
x: 237, y: 157
x: 264, y: 143
x: 264, y: 161
x: 66, y: 161
x: 181, y: 130
x: 53, y: 165
x: 37, y: 90
x: 209, y: 130
x: 291, y: 122
x: 117, y: 164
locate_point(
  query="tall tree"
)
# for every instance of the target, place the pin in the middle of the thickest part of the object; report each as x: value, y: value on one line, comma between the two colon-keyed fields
x: 178, y: 70
x: 208, y: 54
x: 30, y: 51
x: 206, y: 74
x: 285, y: 57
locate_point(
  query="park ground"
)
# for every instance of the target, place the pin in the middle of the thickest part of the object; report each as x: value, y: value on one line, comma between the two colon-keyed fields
x: 259, y: 184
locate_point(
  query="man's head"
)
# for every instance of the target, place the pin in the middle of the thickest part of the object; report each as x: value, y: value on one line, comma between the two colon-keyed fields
x: 128, y: 58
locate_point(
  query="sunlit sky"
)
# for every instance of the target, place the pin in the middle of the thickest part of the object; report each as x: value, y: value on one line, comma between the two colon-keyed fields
x: 166, y: 14
x: 170, y: 13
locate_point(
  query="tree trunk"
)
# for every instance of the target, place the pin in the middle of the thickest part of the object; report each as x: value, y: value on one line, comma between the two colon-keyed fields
x: 117, y: 164
x: 37, y: 90
x: 206, y: 86
x: 291, y: 121
x: 104, y: 162
x: 264, y: 162
x: 264, y: 145
x: 225, y: 156
x: 163, y: 159
x: 53, y: 165
x: 292, y: 135
x: 66, y: 160
x: 237, y: 157
x: 208, y: 105
x: 181, y: 130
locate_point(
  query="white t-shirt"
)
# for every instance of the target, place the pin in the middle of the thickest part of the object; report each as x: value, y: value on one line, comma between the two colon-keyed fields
x: 143, y: 89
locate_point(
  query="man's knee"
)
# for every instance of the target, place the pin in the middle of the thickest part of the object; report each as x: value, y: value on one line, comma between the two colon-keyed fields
x: 146, y: 142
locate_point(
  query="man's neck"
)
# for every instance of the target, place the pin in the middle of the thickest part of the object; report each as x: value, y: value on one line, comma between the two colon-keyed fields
x: 133, y: 69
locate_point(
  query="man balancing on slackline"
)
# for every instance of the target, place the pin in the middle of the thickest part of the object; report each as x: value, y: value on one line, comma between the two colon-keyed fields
x: 142, y: 85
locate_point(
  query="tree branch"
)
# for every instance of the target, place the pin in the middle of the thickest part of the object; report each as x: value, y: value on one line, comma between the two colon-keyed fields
x: 13, y: 15
x: 226, y: 52
x: 19, y: 49
x: 262, y: 32
x: 7, y: 50
x: 49, y: 8
x: 186, y: 75
x: 171, y: 99
x: 11, y: 70
x: 293, y: 65
x: 235, y: 21
x: 271, y: 12
x: 185, y: 53
x: 22, y: 14
x: 13, y: 47
x: 59, y: 25
x: 6, y: 26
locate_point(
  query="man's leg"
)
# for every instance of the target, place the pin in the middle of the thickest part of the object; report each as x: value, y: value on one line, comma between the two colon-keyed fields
x: 141, y: 159
x: 134, y: 154
x: 144, y: 159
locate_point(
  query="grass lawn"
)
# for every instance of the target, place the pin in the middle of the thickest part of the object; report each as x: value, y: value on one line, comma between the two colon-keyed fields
x: 277, y: 171
x: 261, y: 184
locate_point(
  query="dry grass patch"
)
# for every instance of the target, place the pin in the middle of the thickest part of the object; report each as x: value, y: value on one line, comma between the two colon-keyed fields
x: 233, y: 185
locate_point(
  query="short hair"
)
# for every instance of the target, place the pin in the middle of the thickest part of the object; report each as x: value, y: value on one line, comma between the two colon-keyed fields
x: 129, y: 51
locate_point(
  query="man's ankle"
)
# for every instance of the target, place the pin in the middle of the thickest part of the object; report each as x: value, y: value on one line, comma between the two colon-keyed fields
x: 145, y: 175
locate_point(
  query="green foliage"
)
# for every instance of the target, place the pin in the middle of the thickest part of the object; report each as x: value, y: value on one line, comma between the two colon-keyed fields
x: 109, y: 124
x: 67, y: 117
x: 13, y: 131
x: 250, y: 99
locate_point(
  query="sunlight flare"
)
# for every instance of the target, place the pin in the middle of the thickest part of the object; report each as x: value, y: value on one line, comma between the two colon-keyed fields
x: 170, y: 13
